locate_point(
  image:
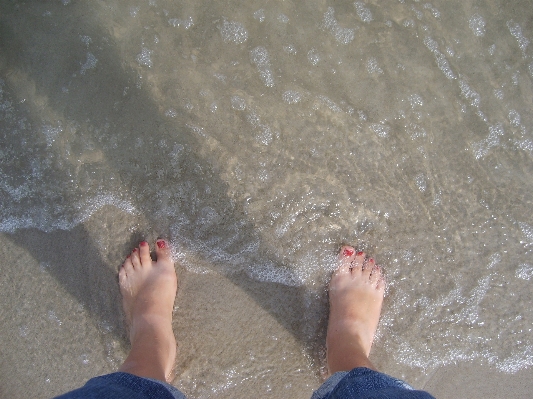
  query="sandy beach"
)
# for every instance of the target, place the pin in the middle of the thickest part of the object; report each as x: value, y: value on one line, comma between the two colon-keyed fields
x: 257, y: 138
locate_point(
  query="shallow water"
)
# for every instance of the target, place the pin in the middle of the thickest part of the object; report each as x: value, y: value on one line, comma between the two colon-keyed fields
x: 258, y: 136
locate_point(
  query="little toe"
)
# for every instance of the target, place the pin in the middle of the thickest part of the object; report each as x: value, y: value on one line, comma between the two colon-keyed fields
x: 123, y: 274
x: 144, y: 253
x: 127, y: 266
x: 382, y: 283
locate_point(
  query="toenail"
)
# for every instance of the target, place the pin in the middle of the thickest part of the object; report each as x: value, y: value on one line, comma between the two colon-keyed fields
x: 360, y: 253
x: 143, y: 243
x: 161, y: 244
x: 134, y: 250
x: 371, y: 260
x: 347, y: 252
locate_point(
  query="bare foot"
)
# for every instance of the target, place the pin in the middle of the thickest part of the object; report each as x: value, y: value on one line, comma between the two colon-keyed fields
x: 148, y: 291
x: 355, y: 297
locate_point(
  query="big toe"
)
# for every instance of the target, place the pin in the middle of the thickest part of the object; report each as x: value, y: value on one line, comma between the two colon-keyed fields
x: 346, y: 257
x: 162, y: 251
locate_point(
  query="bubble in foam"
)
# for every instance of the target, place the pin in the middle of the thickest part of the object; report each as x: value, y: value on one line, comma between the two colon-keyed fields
x: 259, y: 15
x: 477, y: 24
x: 283, y: 18
x: 171, y: 113
x: 329, y: 103
x: 372, y: 66
x: 363, y: 12
x: 144, y: 57
x: 291, y: 97
x: 342, y: 35
x: 421, y: 182
x: 90, y: 63
x: 442, y: 62
x: 516, y: 31
x: 185, y: 23
x: 313, y: 57
x: 527, y: 231
x: 380, y: 129
x: 481, y: 148
x: 524, y: 271
x: 259, y: 57
x: 232, y: 31
x: 433, y: 10
x: 134, y: 11
x: 415, y: 131
x: 51, y: 133
x: 415, y: 100
x: 238, y: 103
x: 470, y: 94
x: 289, y: 49
x: 86, y: 39
x: 514, y: 118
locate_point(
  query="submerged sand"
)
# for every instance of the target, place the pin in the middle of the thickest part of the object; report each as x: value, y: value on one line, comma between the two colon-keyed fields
x: 258, y: 137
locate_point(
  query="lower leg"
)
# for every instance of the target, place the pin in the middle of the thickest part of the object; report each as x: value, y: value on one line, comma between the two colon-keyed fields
x: 355, y: 294
x: 148, y: 290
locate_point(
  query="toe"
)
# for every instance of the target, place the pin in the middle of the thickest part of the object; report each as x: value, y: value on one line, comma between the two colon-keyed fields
x: 127, y: 266
x: 122, y: 274
x: 135, y: 259
x: 358, y: 262
x: 144, y: 253
x: 376, y: 275
x: 346, y: 257
x: 368, y: 266
x: 162, y: 250
x: 382, y: 283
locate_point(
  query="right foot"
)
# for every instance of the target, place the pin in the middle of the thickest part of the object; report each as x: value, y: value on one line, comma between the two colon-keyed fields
x: 148, y: 291
x: 355, y: 296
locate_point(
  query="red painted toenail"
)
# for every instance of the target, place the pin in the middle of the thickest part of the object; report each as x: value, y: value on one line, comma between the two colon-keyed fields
x: 143, y: 243
x: 134, y: 250
x: 360, y: 253
x: 347, y: 252
x: 371, y: 260
x: 161, y: 244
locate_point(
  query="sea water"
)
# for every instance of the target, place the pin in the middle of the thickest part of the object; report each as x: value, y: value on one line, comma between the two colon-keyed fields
x: 259, y: 136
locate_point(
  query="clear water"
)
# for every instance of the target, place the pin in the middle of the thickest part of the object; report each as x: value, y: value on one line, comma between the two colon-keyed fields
x: 258, y: 136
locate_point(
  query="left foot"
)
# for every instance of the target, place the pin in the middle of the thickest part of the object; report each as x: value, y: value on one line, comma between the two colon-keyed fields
x: 148, y: 291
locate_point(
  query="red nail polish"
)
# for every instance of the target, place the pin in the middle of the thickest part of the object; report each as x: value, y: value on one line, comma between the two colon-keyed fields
x: 371, y: 260
x: 161, y: 244
x: 134, y: 250
x: 360, y: 253
x: 347, y: 252
x: 143, y: 243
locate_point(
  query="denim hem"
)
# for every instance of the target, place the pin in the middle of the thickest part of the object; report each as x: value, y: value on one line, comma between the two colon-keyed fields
x: 124, y: 386
x: 364, y: 383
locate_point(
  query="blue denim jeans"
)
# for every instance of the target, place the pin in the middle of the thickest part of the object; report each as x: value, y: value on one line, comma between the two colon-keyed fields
x: 358, y: 383
x: 363, y: 383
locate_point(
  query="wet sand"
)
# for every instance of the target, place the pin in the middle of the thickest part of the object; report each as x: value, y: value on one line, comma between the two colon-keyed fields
x: 257, y: 138
x: 59, y: 332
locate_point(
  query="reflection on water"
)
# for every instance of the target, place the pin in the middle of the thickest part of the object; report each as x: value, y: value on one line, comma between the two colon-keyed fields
x: 259, y: 136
